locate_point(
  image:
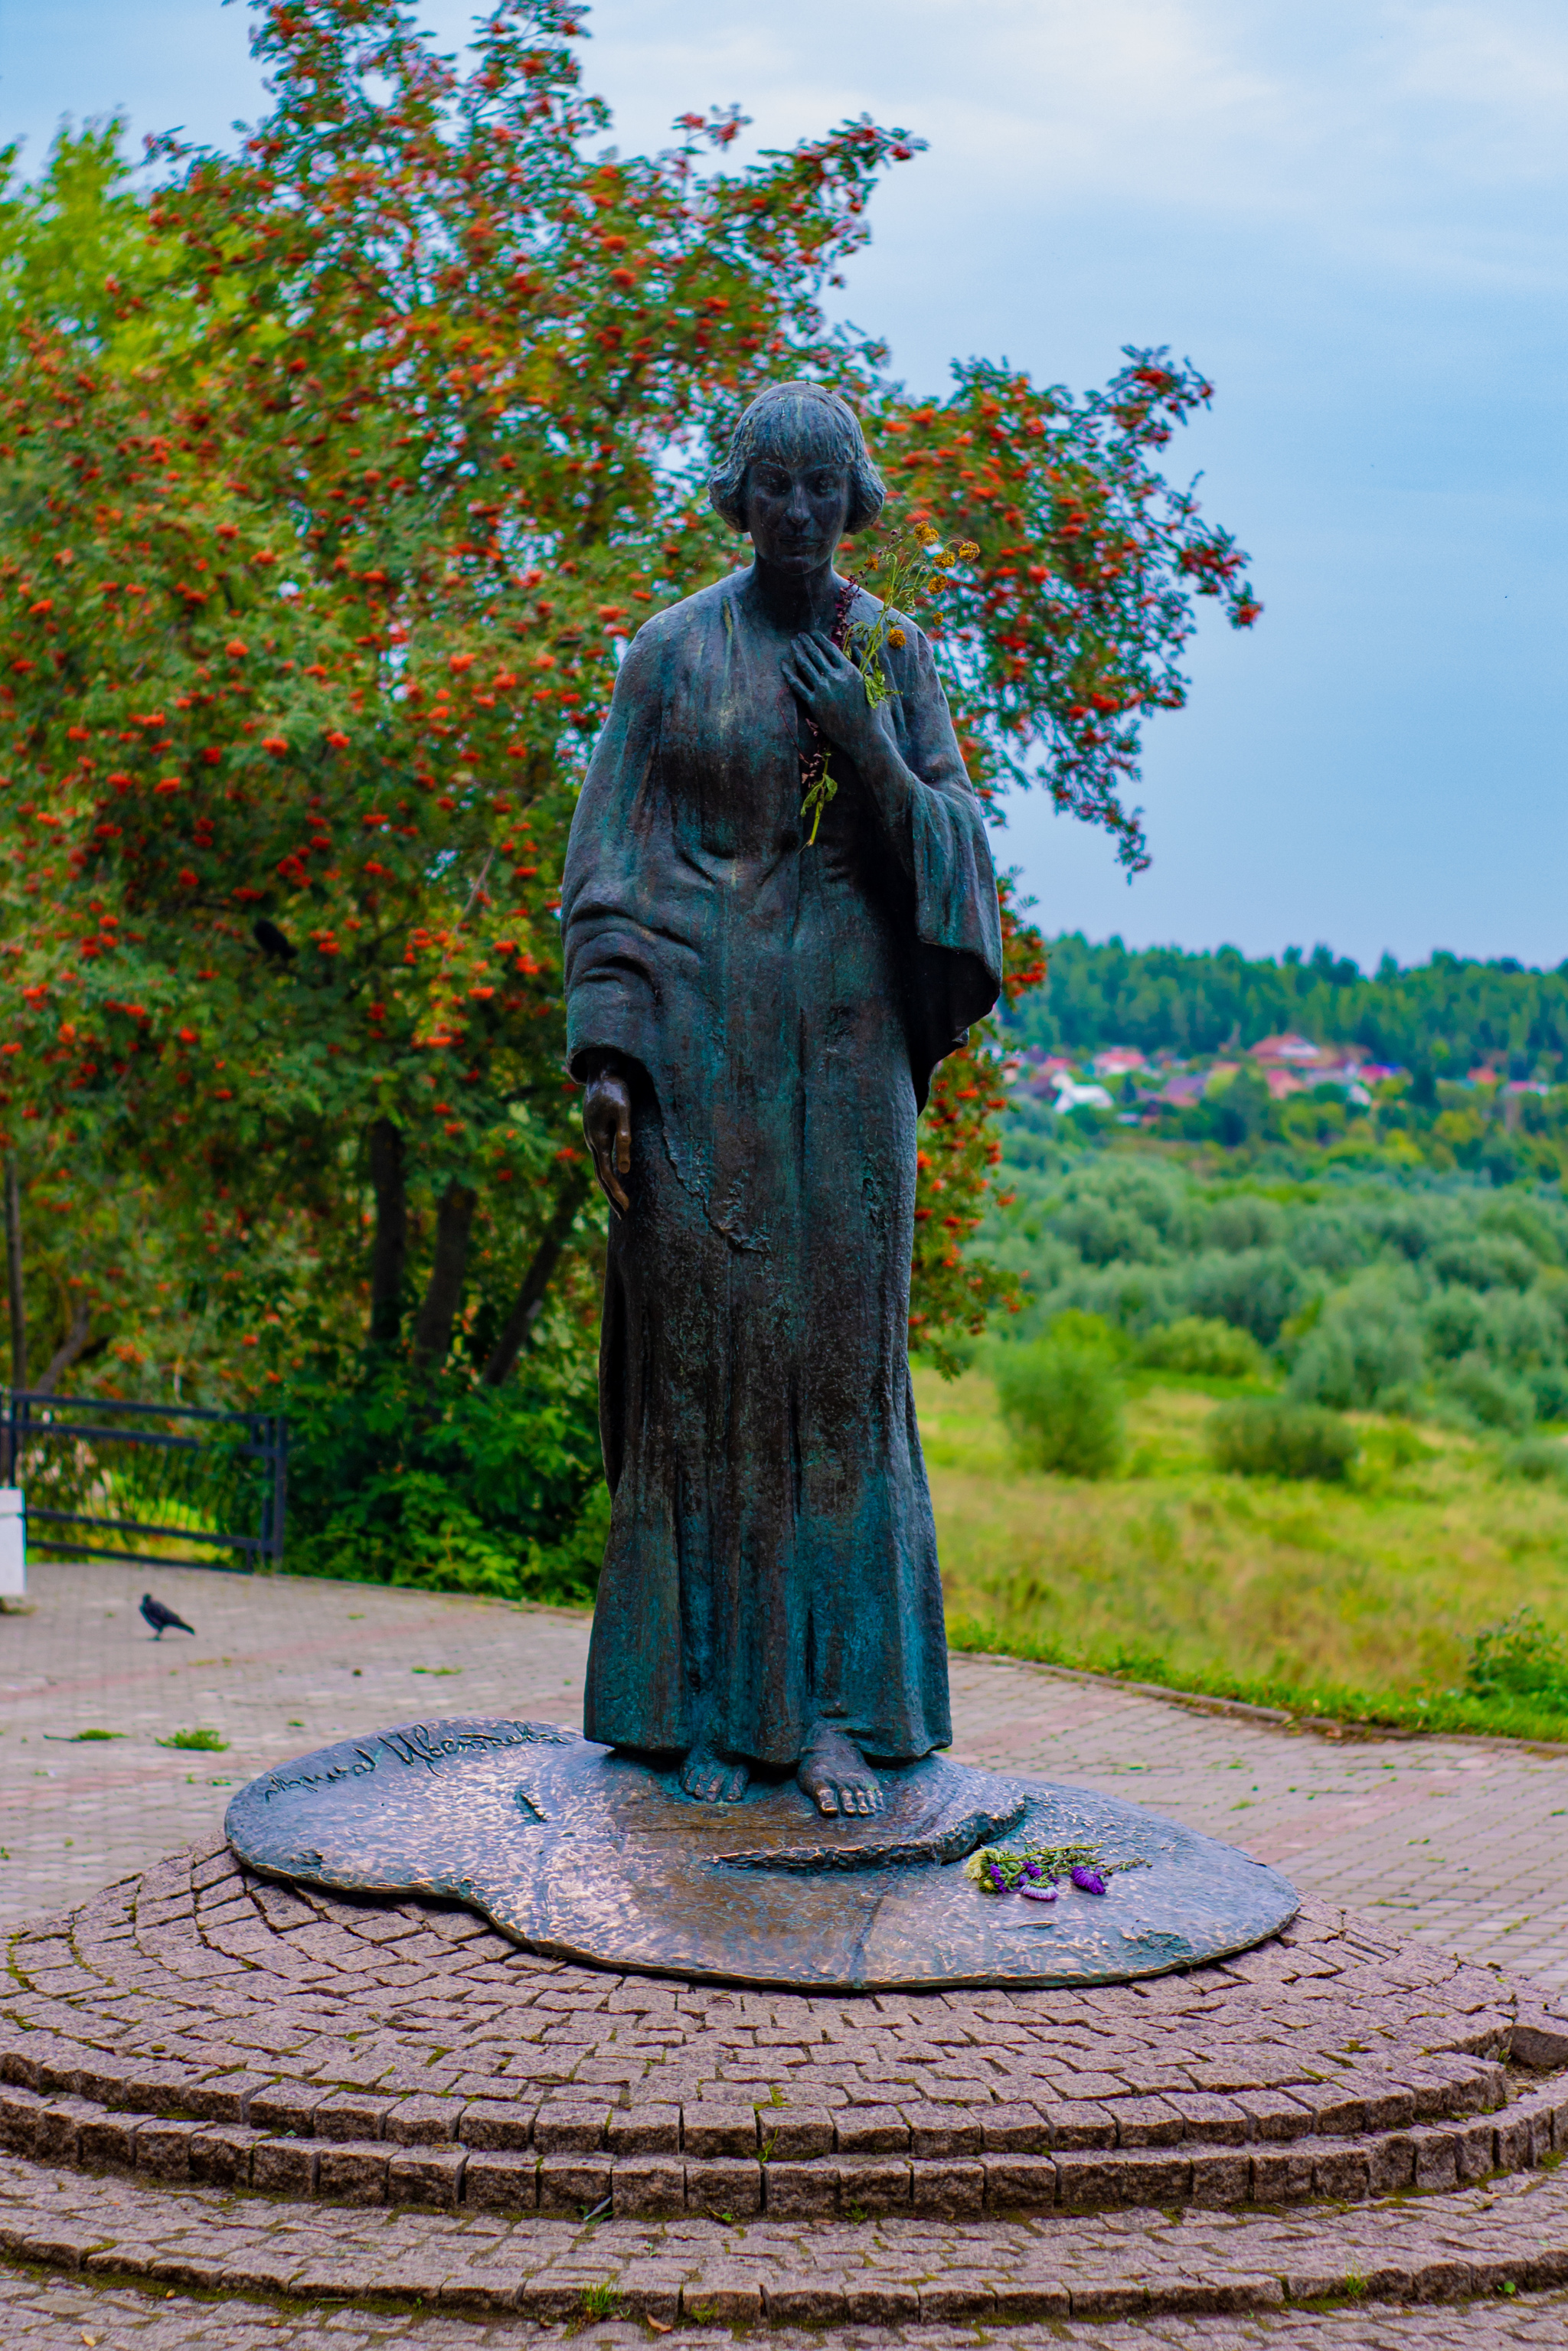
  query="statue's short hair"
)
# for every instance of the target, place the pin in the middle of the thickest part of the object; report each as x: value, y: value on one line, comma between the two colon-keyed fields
x: 790, y: 413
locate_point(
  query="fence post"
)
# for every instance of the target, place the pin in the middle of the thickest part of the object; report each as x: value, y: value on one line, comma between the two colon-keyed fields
x: 279, y: 1487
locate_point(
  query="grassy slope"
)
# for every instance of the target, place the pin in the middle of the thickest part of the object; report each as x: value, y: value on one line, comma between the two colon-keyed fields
x: 1358, y: 1601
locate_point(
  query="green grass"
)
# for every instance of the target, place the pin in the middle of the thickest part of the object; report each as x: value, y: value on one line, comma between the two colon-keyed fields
x: 1358, y: 1601
x: 197, y: 1742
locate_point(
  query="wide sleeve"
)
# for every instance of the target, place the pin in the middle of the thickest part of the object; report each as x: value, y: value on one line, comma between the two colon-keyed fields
x: 956, y: 971
x: 612, y: 944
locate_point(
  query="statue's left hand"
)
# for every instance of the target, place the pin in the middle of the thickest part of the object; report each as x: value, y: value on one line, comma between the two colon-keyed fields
x: 607, y: 1124
x: 833, y: 692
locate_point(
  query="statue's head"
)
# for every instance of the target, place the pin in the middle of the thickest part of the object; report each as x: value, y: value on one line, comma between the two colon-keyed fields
x: 794, y: 426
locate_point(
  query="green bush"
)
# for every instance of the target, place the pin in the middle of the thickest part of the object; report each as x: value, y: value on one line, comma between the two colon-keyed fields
x: 1477, y: 1391
x: 1365, y: 1348
x: 1204, y: 1348
x: 1092, y: 1333
x: 1485, y: 1262
x: 1540, y: 1459
x: 1267, y: 1437
x: 1063, y: 1406
x: 407, y: 1477
x: 1521, y: 1658
x: 1258, y: 1290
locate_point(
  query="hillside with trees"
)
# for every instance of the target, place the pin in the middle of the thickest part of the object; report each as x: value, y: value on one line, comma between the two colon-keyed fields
x: 1445, y: 1017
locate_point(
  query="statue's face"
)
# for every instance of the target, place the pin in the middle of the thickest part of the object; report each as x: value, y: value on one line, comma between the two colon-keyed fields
x: 797, y: 503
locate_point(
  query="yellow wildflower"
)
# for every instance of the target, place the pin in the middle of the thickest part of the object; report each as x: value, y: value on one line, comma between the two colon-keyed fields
x: 895, y: 636
x: 967, y: 551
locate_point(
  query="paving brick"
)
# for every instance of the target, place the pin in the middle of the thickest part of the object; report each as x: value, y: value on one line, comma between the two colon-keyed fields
x: 501, y: 2181
x: 796, y: 2132
x: 420, y: 2121
x: 719, y: 2130
x: 425, y: 2174
x: 649, y: 2187
x: 350, y: 2115
x: 163, y: 2148
x: 284, y: 2167
x: 571, y: 2127
x: 870, y: 2130
x: 801, y: 2191
x: 950, y: 2189
x: 573, y: 2183
x: 350, y: 2172
x: 646, y: 2129
x: 725, y: 2184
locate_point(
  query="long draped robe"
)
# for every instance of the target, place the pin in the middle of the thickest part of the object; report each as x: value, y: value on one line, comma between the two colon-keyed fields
x: 780, y: 1008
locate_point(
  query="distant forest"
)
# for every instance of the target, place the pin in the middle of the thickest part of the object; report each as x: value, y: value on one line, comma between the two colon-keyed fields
x: 1443, y: 1017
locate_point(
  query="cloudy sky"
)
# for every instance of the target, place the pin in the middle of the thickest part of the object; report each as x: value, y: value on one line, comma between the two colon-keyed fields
x: 1350, y: 215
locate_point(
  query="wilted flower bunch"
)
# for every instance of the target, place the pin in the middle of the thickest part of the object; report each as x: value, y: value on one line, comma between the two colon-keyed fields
x: 1035, y: 1870
x: 913, y: 564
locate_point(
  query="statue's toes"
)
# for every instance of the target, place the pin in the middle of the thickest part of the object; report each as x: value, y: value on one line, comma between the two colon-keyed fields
x: 826, y: 1799
x: 735, y: 1785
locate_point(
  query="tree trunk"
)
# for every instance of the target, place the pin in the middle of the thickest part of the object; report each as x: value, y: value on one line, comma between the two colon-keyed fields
x: 454, y: 1223
x: 388, y: 1250
x: 518, y: 1328
x: 77, y: 1342
x: 14, y: 1275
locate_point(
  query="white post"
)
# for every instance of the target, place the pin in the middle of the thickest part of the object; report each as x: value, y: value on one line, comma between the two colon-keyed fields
x: 13, y: 1544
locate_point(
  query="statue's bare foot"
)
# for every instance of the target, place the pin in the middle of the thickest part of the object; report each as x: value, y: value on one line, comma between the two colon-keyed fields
x: 836, y: 1775
x: 711, y: 1779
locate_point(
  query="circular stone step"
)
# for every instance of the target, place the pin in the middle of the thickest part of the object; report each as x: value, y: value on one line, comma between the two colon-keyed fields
x: 197, y: 2024
x: 585, y: 1854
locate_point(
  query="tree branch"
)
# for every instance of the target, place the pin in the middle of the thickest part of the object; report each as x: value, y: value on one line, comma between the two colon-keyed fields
x: 454, y: 1224
x: 77, y: 1343
x: 518, y: 1328
x: 388, y: 1250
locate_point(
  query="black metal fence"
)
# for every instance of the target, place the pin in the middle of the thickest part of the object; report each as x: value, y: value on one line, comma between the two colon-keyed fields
x: 168, y: 1471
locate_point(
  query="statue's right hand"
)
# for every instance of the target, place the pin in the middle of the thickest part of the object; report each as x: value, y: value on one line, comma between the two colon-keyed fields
x: 607, y: 1124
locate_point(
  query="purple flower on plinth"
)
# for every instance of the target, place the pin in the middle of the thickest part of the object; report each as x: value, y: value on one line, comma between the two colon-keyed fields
x: 1037, y: 1893
x: 998, y: 1880
x: 1031, y: 1869
x: 1088, y: 1881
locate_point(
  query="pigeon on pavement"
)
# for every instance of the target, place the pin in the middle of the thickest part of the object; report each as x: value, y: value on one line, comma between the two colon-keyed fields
x: 161, y: 1619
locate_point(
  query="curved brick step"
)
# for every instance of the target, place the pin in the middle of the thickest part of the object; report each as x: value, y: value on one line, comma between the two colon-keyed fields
x: 1512, y: 2238
x: 198, y: 2024
x: 428, y: 2169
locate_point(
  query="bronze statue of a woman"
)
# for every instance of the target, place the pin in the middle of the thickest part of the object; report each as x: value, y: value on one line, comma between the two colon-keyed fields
x: 756, y: 1021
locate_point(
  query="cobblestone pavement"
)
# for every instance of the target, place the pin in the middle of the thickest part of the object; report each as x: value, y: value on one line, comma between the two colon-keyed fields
x: 195, y: 2023
x: 54, y: 2314
x: 1482, y: 2249
x: 1461, y: 1841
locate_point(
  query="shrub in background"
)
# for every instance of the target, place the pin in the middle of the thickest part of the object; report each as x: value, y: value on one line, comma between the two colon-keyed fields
x: 1485, y: 1262
x: 1204, y: 1348
x: 1476, y: 1391
x: 1062, y: 1402
x: 1365, y: 1348
x: 1548, y: 1387
x: 1268, y: 1436
x: 1538, y: 1459
x: 1244, y: 1222
x: 1521, y: 1658
x: 1076, y: 1327
x: 1257, y: 1288
x: 426, y: 1479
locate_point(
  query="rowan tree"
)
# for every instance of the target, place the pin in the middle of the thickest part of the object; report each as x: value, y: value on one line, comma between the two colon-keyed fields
x: 319, y: 540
